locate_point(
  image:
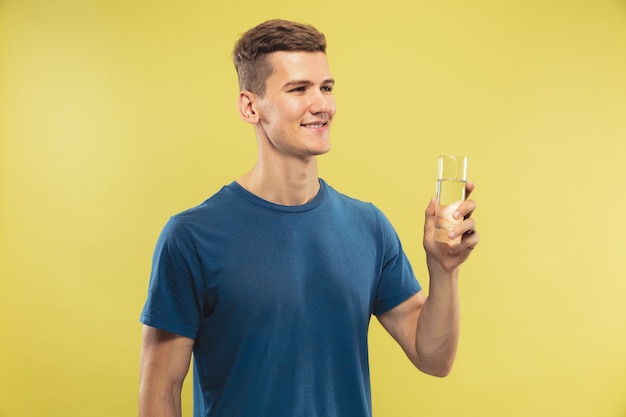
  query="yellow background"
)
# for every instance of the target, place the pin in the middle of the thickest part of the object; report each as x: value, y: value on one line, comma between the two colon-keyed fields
x: 116, y: 114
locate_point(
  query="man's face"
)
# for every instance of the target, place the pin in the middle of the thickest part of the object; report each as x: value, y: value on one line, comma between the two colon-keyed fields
x: 297, y: 109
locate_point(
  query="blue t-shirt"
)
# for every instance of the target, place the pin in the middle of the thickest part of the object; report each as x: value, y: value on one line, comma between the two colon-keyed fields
x: 278, y: 300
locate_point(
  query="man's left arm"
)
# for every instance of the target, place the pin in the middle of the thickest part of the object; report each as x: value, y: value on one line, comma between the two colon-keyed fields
x: 427, y: 328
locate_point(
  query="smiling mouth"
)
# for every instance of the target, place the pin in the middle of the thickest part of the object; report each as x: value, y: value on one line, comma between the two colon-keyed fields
x: 316, y: 125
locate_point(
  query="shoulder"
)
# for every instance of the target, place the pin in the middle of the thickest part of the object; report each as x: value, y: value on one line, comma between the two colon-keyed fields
x: 224, y: 196
x: 357, y: 207
x: 346, y: 201
x: 213, y: 210
x: 187, y: 225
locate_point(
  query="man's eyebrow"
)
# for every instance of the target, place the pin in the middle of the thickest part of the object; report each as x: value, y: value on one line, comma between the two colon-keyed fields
x: 294, y: 83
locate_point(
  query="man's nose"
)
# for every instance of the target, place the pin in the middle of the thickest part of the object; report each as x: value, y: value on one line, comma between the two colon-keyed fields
x: 322, y: 103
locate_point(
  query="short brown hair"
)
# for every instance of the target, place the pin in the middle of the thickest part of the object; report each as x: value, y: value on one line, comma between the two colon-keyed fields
x: 253, y: 47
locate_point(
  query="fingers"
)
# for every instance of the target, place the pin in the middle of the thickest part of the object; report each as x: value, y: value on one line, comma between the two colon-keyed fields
x: 466, y: 227
x: 470, y: 238
x: 469, y: 187
x: 465, y: 210
x: 469, y: 242
x: 455, y: 254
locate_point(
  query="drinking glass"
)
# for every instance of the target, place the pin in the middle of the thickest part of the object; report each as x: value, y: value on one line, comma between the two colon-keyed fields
x: 450, y: 194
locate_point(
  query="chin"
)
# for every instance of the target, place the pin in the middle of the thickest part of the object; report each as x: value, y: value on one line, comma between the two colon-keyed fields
x: 323, y: 150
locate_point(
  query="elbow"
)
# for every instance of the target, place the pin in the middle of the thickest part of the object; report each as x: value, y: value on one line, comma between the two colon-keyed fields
x: 437, y: 361
x: 439, y: 372
x: 436, y: 368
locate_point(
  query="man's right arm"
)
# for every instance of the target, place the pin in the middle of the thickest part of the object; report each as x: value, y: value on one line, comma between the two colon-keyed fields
x: 165, y: 359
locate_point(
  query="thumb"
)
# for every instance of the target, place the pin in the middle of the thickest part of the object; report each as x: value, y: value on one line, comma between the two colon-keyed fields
x: 430, y: 214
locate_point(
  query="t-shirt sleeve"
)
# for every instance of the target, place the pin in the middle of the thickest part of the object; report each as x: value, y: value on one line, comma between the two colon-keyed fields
x: 173, y: 303
x: 397, y: 281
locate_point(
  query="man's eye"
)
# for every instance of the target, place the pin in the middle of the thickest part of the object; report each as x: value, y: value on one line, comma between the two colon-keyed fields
x: 297, y: 89
x: 327, y: 88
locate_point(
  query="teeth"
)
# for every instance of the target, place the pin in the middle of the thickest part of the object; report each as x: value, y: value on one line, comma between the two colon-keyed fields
x: 315, y: 126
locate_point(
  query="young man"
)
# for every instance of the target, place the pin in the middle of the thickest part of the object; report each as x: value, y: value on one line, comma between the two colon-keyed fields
x: 271, y: 282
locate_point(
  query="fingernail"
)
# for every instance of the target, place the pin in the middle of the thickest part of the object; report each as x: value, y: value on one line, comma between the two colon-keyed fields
x: 451, y: 235
x: 457, y: 214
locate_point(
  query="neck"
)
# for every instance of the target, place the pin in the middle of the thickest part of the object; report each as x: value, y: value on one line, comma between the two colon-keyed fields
x: 290, y: 183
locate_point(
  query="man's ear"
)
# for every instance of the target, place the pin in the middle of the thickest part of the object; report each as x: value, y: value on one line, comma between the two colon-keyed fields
x: 247, y: 107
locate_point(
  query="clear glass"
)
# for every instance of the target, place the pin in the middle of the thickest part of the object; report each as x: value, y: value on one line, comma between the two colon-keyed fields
x: 450, y: 194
